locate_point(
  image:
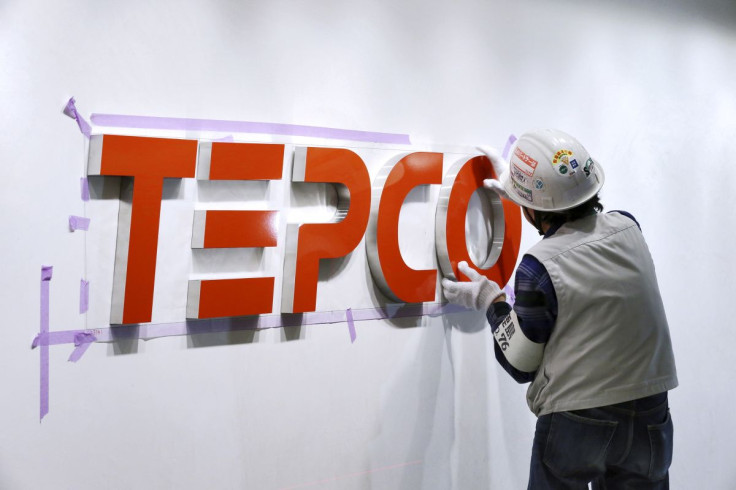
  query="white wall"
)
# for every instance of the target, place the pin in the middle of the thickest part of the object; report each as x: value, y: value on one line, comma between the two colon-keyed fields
x: 647, y: 86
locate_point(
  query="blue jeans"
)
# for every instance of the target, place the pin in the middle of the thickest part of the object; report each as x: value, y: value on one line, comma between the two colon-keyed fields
x: 622, y: 446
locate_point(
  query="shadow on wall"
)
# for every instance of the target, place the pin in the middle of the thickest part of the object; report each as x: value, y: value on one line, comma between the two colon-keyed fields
x: 125, y: 340
x: 720, y: 12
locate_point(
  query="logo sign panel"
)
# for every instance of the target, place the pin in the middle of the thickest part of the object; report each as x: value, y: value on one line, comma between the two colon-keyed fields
x: 369, y: 188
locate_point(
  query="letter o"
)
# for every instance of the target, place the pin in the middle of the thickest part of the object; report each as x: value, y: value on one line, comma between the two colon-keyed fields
x: 460, y: 182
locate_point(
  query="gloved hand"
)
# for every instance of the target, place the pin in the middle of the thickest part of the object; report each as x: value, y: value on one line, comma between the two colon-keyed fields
x: 477, y: 294
x: 500, y: 166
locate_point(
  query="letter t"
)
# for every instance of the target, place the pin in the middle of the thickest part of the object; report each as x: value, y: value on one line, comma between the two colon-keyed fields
x: 146, y: 162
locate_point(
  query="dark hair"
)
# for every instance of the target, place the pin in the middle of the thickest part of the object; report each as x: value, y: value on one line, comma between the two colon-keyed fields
x: 591, y: 206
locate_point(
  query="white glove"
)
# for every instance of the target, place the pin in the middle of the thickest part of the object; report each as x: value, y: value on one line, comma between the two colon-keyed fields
x: 497, y: 186
x: 500, y: 166
x: 477, y: 294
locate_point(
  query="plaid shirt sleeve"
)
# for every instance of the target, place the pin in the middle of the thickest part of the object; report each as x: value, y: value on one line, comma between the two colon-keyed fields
x: 535, y: 307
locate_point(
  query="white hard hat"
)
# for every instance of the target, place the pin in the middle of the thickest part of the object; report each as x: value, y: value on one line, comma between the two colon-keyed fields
x: 549, y: 170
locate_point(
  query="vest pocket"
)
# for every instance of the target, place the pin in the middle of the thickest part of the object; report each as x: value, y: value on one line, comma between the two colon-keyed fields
x: 660, y: 440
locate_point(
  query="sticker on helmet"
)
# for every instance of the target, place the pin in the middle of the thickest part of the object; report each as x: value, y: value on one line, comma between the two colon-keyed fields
x: 522, y: 191
x: 588, y: 167
x: 524, y: 162
x: 562, y: 156
x: 574, y: 163
x: 539, y: 184
x: 518, y: 175
x: 563, y: 169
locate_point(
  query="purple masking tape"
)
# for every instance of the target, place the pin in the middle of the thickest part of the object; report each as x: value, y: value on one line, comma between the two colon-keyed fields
x: 46, y: 273
x: 439, y: 310
x: 148, y: 331
x: 78, y: 223
x: 506, y: 148
x: 184, y: 124
x: 510, y: 295
x: 67, y: 336
x: 351, y: 325
x: 392, y: 308
x: 82, y: 341
x: 225, y: 139
x: 71, y: 110
x: 84, y: 182
x: 83, y: 296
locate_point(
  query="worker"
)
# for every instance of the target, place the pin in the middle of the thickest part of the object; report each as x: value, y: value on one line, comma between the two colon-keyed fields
x: 588, y: 327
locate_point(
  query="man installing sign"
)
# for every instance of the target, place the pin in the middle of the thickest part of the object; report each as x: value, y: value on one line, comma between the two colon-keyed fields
x: 588, y: 328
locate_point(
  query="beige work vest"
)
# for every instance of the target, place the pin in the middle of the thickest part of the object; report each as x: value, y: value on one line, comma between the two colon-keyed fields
x: 611, y: 342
